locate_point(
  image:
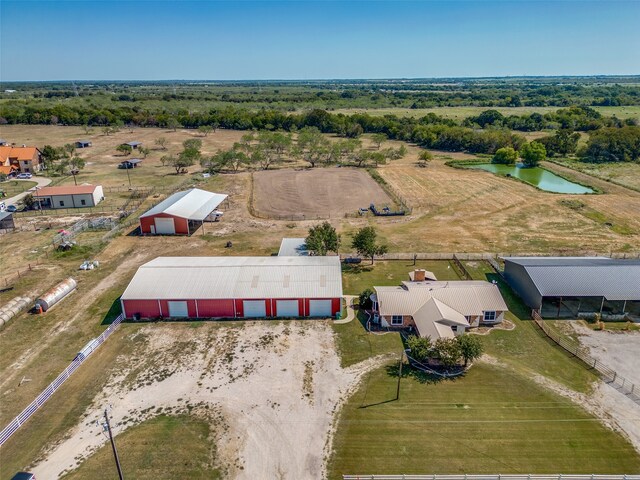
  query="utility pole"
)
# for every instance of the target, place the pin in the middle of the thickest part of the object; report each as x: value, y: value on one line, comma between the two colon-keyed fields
x: 113, y: 444
x: 128, y: 177
x: 399, y: 375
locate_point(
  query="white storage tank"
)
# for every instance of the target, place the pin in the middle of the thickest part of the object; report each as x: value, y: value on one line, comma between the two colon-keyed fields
x: 57, y: 293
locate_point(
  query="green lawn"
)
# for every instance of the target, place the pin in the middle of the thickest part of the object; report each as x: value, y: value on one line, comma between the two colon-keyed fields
x: 493, y: 420
x: 356, y: 278
x: 526, y: 348
x: 150, y: 450
x: 355, y: 344
x: 15, y: 187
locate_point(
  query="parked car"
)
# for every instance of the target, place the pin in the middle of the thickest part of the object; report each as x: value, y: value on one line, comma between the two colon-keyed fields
x: 24, y: 176
x: 12, y: 209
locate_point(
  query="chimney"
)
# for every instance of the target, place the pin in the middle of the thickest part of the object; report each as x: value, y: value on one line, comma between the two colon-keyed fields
x: 419, y: 275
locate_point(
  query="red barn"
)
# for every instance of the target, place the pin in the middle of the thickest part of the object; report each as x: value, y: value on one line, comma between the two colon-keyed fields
x: 235, y: 287
x: 182, y: 213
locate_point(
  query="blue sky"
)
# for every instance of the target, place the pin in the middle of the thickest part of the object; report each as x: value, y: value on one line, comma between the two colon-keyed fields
x: 164, y: 39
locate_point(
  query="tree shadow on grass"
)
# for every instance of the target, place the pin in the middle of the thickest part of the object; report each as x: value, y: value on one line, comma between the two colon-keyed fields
x: 420, y: 376
x: 112, y: 314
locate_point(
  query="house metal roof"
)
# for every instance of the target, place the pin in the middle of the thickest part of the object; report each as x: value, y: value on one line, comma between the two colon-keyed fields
x: 293, y: 247
x: 469, y: 298
x: 236, y: 277
x: 194, y: 204
x: 614, y: 279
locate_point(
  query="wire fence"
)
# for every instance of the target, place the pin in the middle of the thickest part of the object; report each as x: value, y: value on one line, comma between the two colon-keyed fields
x: 41, y: 399
x: 610, y: 376
x: 557, y: 476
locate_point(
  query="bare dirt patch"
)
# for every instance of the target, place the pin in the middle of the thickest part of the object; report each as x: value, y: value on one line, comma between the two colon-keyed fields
x: 321, y: 192
x: 276, y: 386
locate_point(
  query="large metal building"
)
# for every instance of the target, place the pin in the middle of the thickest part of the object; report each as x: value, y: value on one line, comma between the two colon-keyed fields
x: 564, y: 287
x: 182, y: 213
x: 235, y: 287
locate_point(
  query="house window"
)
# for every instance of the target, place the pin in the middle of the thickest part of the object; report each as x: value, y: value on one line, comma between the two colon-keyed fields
x: 489, y: 316
x: 61, y: 203
x: 83, y: 202
x: 397, y: 319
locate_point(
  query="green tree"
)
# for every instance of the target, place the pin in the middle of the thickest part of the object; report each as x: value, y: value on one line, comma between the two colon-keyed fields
x: 124, y: 149
x: 73, y: 165
x: 424, y: 158
x: 313, y: 147
x: 50, y: 155
x: 28, y: 201
x: 144, y: 151
x: 448, y: 351
x: 190, y: 155
x: 173, y: 124
x: 366, y: 244
x: 161, y: 142
x: 322, y: 239
x: 167, y: 160
x: 421, y: 348
x: 205, y: 130
x: 274, y: 146
x: 378, y: 139
x: 532, y: 154
x: 470, y: 347
x: 505, y: 156
x: 364, y: 299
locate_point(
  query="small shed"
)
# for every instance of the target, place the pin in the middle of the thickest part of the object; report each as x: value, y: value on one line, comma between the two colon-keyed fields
x: 182, y: 213
x: 83, y: 143
x: 134, y: 145
x: 130, y: 163
x: 6, y: 221
x: 69, y: 196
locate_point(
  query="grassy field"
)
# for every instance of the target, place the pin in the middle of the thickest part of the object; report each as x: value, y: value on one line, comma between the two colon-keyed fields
x: 149, y: 451
x: 460, y: 113
x: 627, y: 173
x: 357, y: 278
x: 15, y: 187
x: 491, y: 420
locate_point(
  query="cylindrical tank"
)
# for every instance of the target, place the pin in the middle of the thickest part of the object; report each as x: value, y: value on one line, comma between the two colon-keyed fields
x: 13, y: 307
x: 56, y: 294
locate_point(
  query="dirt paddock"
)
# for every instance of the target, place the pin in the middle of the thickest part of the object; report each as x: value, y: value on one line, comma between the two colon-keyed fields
x: 321, y: 192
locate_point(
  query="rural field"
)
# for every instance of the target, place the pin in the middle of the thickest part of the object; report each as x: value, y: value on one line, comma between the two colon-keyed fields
x: 321, y: 193
x: 201, y: 385
x: 460, y: 113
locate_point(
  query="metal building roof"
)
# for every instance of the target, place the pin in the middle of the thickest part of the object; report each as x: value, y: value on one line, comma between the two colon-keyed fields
x: 236, y: 277
x: 614, y: 279
x: 65, y: 190
x: 194, y: 204
x: 293, y: 247
x: 466, y: 297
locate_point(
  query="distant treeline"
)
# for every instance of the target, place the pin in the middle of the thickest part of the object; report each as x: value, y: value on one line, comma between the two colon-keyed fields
x: 484, y: 133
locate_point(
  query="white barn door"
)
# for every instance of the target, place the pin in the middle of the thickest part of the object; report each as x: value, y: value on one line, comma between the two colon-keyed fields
x: 319, y: 308
x: 254, y: 308
x: 287, y: 308
x: 178, y: 309
x: 165, y: 226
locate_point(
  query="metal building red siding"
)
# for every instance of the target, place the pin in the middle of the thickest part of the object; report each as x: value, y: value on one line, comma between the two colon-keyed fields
x: 216, y: 308
x: 181, y: 224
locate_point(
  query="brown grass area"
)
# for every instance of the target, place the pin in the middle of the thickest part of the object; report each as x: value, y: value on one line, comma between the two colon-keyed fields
x: 320, y: 192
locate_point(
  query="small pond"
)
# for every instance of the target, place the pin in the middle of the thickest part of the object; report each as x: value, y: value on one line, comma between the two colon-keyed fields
x: 536, y: 176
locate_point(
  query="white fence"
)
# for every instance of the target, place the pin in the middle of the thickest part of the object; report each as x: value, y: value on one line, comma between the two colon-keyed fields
x: 491, y: 477
x: 17, y: 422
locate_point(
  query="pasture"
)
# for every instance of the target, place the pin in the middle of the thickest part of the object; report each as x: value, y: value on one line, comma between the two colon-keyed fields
x: 460, y: 113
x: 317, y: 193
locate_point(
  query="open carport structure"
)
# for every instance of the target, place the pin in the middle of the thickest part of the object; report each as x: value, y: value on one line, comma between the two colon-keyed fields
x: 567, y: 287
x: 182, y: 213
x: 235, y: 287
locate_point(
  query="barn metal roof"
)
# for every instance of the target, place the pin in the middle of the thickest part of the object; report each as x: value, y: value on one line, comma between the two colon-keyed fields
x: 236, y: 277
x: 194, y: 204
x: 614, y: 279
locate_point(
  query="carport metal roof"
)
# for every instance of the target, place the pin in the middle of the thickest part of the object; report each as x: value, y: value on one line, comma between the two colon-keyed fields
x: 614, y: 279
x: 193, y: 204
